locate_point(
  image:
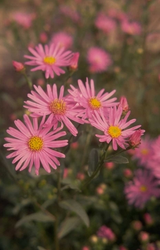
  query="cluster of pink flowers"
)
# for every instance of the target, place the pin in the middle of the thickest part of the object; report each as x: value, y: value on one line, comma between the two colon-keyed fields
x: 33, y: 144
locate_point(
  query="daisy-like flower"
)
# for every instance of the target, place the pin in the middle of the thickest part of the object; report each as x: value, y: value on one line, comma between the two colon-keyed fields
x: 98, y: 59
x: 57, y: 108
x: 142, y: 188
x: 113, y: 127
x: 49, y: 59
x: 131, y: 28
x: 88, y: 100
x: 34, y: 145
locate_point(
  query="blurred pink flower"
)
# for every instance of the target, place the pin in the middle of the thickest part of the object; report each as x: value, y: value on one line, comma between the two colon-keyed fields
x: 137, y: 225
x: 105, y: 23
x: 148, y: 219
x: 106, y: 232
x: 56, y: 107
x: 23, y: 19
x: 43, y: 37
x: 33, y: 145
x: 113, y: 127
x: 142, y: 188
x: 98, y: 59
x: 67, y: 11
x: 63, y: 39
x: 131, y: 28
x: 143, y: 236
x: 144, y: 152
x: 49, y: 59
x: 88, y: 100
x: 127, y: 173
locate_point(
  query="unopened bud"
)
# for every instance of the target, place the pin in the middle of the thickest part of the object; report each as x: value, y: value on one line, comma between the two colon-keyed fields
x: 74, y: 61
x: 135, y: 138
x: 127, y: 173
x: 18, y: 66
x: 124, y: 104
x: 143, y: 236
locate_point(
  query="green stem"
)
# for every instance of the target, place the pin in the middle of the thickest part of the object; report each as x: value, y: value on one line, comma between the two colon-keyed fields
x: 57, y: 214
x: 28, y: 80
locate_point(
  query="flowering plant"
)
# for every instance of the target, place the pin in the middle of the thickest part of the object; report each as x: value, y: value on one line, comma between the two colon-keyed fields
x: 74, y: 131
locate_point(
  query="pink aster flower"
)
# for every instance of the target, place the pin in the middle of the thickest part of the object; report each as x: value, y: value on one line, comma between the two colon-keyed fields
x: 143, y: 154
x: 142, y: 188
x: 23, y: 19
x: 98, y: 59
x: 86, y: 98
x: 106, y: 232
x: 63, y: 39
x: 49, y: 59
x: 113, y: 127
x: 131, y: 28
x: 56, y: 107
x: 105, y: 23
x: 34, y: 145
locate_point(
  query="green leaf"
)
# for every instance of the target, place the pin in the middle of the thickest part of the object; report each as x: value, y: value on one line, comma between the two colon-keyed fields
x: 39, y: 216
x: 75, y: 207
x: 93, y: 161
x: 71, y: 184
x: 117, y: 159
x: 67, y: 226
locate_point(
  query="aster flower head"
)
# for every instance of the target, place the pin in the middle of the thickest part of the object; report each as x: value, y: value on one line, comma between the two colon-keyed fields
x: 55, y: 106
x: 98, y: 59
x: 113, y: 127
x: 49, y: 59
x: 63, y: 39
x: 142, y: 188
x: 34, y: 145
x: 87, y: 99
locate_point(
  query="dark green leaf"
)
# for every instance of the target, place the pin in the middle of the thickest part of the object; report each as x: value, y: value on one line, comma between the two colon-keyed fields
x: 93, y: 161
x: 34, y: 217
x: 117, y: 159
x: 75, y: 207
x: 67, y: 226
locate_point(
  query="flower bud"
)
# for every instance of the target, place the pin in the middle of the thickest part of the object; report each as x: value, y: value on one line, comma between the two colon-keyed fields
x: 143, y: 236
x: 124, y: 104
x: 135, y: 138
x: 148, y: 219
x: 137, y: 225
x: 74, y: 61
x: 18, y: 66
x: 85, y: 248
x: 127, y: 173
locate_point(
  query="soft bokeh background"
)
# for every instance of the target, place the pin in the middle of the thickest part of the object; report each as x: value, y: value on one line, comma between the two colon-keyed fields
x: 129, y: 32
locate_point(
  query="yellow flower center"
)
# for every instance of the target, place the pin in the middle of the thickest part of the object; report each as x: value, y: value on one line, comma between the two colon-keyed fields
x: 58, y: 107
x: 144, y: 151
x: 35, y: 143
x: 49, y: 60
x: 94, y: 103
x: 114, y: 131
x: 143, y: 188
